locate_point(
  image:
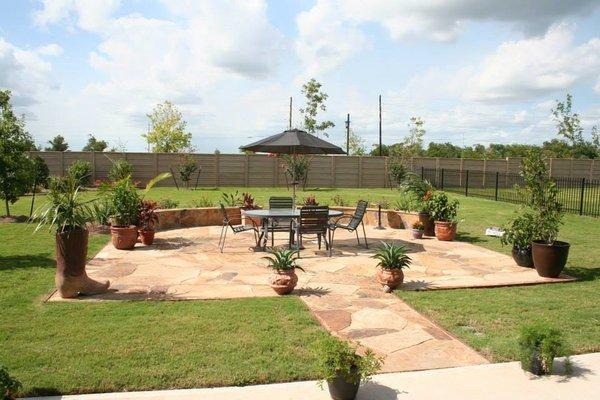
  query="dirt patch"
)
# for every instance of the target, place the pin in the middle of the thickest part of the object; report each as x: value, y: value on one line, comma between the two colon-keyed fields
x: 5, y: 219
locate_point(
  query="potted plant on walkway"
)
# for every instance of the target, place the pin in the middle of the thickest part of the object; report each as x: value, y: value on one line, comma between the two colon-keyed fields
x: 422, y: 190
x: 69, y: 216
x: 417, y: 230
x: 444, y: 213
x: 249, y: 204
x: 125, y: 210
x: 539, y: 344
x: 519, y: 233
x: 147, y: 220
x: 343, y: 369
x: 392, y: 259
x: 549, y: 254
x: 283, y: 262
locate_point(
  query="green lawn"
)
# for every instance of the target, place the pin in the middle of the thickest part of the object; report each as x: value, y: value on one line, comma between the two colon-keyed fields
x: 92, y: 347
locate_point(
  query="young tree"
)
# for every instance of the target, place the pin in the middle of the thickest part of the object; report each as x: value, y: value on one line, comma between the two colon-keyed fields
x: 356, y: 144
x: 568, y: 123
x: 413, y: 143
x: 94, y: 144
x: 167, y: 132
x: 315, y: 102
x: 58, y: 143
x: 15, y: 166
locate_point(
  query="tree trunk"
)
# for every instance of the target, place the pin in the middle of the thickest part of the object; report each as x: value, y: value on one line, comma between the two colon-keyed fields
x: 7, y: 208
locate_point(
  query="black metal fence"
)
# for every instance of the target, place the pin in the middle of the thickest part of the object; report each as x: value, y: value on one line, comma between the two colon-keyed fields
x: 577, y: 195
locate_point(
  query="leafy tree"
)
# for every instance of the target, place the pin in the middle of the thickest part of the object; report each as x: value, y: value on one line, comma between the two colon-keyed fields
x: 315, y: 102
x: 167, y: 132
x: 385, y: 150
x: 94, y: 144
x: 447, y: 150
x: 186, y: 169
x: 15, y: 165
x: 356, y: 144
x: 58, y: 143
x: 41, y: 171
x: 568, y: 123
x: 81, y: 172
x: 412, y: 145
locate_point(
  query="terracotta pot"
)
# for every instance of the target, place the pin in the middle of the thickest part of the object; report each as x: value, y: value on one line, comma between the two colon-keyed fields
x: 71, y: 255
x: 147, y: 236
x: 124, y: 237
x: 394, y: 219
x: 417, y: 233
x: 425, y: 219
x: 284, y: 282
x: 522, y: 256
x: 549, y: 260
x: 445, y: 231
x: 390, y: 279
x: 339, y: 389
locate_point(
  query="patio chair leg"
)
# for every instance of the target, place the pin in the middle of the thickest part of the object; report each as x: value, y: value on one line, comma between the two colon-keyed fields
x: 331, y: 233
x: 364, y: 234
x: 273, y: 239
x: 222, y: 237
x: 319, y: 240
x: 357, y: 239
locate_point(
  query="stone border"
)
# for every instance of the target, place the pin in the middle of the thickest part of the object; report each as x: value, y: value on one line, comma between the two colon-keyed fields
x: 176, y: 218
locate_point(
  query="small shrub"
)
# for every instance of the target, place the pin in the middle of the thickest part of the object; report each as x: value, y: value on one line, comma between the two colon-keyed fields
x: 81, y: 172
x: 392, y: 256
x: 539, y: 344
x: 41, y: 171
x: 124, y: 201
x: 310, y: 201
x: 384, y: 203
x: 397, y: 172
x: 9, y: 386
x: 418, y: 225
x: 119, y: 170
x: 248, y: 202
x: 59, y: 183
x: 166, y: 203
x: 441, y: 208
x: 101, y: 211
x: 186, y: 169
x: 520, y: 231
x: 231, y: 199
x: 408, y: 202
x: 203, y: 201
x: 339, y: 201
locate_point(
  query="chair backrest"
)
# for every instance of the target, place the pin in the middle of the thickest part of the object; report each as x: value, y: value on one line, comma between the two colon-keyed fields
x: 281, y: 202
x: 359, y: 213
x: 314, y: 217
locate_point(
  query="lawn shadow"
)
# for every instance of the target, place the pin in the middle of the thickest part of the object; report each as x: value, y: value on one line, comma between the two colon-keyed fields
x: 172, y: 243
x: 374, y: 390
x: 352, y: 246
x: 25, y: 261
x: 469, y: 238
x: 43, y: 391
x: 415, y: 285
x: 583, y: 274
x: 565, y: 368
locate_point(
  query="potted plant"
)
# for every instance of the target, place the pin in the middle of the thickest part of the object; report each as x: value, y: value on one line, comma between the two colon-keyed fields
x: 549, y: 254
x: 249, y: 204
x: 422, y: 190
x: 392, y: 259
x: 311, y: 201
x: 444, y: 213
x: 283, y: 262
x: 519, y: 233
x: 125, y: 210
x: 539, y: 344
x: 147, y: 220
x: 417, y: 230
x: 69, y: 216
x: 9, y: 386
x: 343, y: 369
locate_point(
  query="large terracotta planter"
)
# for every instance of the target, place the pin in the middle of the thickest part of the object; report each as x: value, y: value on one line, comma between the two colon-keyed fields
x: 394, y: 219
x: 284, y: 282
x: 549, y: 260
x: 124, y: 237
x: 339, y: 389
x: 429, y: 227
x: 71, y: 255
x: 522, y: 256
x: 390, y: 279
x: 147, y: 236
x: 445, y: 231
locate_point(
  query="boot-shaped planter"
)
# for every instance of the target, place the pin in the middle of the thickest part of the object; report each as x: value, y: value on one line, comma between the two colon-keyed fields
x: 390, y: 279
x: 71, y: 253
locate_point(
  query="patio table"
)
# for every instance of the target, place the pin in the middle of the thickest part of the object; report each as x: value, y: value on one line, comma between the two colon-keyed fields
x: 268, y: 215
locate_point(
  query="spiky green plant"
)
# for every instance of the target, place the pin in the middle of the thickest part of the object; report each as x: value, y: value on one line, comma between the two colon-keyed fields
x: 392, y: 256
x: 283, y: 259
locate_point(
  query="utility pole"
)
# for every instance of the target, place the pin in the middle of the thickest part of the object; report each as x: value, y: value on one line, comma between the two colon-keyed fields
x: 290, y: 124
x: 348, y: 135
x: 380, y: 153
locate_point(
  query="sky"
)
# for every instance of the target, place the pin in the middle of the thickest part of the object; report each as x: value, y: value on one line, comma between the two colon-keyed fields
x: 475, y: 71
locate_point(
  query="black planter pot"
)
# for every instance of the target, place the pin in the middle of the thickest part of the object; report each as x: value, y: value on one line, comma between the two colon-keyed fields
x: 549, y: 260
x: 522, y: 256
x: 339, y: 389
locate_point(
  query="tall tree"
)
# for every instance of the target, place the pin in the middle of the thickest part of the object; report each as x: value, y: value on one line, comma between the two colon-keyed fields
x: 568, y: 123
x: 356, y: 144
x: 58, y: 143
x: 94, y: 144
x: 15, y: 166
x: 315, y: 102
x: 167, y: 133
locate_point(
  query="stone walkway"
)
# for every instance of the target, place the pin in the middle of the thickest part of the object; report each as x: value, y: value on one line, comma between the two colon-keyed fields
x: 341, y: 291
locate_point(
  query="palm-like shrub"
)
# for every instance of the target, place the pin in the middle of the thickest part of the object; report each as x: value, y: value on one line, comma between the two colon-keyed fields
x: 283, y: 260
x: 120, y: 170
x: 392, y: 256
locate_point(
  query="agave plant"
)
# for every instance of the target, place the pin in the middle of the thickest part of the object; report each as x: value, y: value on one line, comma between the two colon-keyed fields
x: 283, y: 260
x: 392, y: 256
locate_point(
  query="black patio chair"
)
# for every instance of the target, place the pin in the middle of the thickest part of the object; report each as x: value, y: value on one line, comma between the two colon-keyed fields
x: 280, y: 224
x: 352, y: 225
x: 313, y: 220
x: 236, y: 228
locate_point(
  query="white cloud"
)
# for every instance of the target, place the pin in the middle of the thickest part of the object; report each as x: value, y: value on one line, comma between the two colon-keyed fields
x: 91, y: 15
x: 536, y: 66
x: 50, y: 50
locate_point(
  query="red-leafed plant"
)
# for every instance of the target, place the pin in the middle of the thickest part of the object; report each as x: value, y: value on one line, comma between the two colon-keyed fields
x: 148, y: 217
x: 248, y: 202
x: 310, y: 201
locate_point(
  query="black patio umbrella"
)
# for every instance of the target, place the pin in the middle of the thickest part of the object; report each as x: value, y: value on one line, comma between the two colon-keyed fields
x: 293, y: 141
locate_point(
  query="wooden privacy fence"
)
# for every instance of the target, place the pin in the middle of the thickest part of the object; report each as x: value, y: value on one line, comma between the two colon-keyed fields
x: 325, y: 171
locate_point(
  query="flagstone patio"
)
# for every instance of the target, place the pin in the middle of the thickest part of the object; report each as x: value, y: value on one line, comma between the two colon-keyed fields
x: 340, y: 291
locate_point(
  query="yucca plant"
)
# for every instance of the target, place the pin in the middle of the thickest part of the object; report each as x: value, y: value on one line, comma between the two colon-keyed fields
x: 283, y: 260
x: 392, y: 256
